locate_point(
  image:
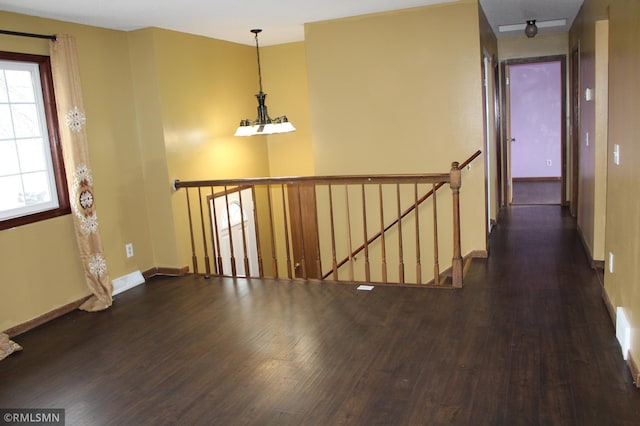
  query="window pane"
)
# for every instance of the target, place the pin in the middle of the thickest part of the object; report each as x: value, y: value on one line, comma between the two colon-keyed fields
x: 25, y: 120
x: 29, y: 191
x: 8, y: 158
x: 31, y: 155
x: 36, y: 188
x: 3, y: 87
x: 6, y: 124
x: 20, y: 86
x: 10, y: 193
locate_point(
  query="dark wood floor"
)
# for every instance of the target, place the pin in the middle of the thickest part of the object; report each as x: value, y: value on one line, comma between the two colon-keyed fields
x: 526, y: 342
x: 537, y: 192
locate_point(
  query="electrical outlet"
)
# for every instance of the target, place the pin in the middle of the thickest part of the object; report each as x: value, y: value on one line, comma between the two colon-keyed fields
x: 610, y: 263
x: 548, y: 163
x: 129, y: 249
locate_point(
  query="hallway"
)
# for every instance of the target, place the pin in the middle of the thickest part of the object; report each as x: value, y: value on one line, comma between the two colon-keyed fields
x: 547, y: 302
x: 537, y: 192
x: 527, y: 341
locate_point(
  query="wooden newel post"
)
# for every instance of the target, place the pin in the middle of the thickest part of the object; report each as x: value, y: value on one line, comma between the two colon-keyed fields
x: 456, y: 263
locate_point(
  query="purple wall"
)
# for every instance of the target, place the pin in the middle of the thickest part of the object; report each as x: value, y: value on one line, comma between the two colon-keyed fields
x: 536, y: 119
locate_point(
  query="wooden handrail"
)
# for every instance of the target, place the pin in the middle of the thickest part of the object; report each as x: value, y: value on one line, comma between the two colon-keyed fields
x: 290, y: 226
x: 322, y: 180
x: 438, y: 185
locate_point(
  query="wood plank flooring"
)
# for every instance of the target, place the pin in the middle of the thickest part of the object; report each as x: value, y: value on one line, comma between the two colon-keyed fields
x: 537, y: 192
x: 527, y: 341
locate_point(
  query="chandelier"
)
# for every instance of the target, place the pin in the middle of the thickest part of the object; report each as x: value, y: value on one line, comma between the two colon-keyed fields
x: 263, y: 124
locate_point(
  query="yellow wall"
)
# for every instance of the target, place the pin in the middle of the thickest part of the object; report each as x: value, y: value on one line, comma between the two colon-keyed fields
x: 198, y: 89
x: 206, y: 87
x: 623, y: 183
x: 284, y: 78
x: 388, y: 96
x: 161, y: 105
x: 39, y: 270
x: 622, y: 226
x: 601, y: 138
x: 151, y: 144
x: 540, y: 45
x: 593, y: 40
x: 489, y: 46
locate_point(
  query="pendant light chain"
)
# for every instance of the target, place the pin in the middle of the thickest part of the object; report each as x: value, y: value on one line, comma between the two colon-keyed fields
x: 263, y: 124
x: 256, y: 32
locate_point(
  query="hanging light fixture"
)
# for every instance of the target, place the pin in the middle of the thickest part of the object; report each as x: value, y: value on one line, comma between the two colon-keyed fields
x: 263, y: 124
x: 531, y: 30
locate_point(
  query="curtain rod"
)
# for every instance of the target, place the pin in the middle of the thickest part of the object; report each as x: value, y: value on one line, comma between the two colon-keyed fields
x: 17, y: 33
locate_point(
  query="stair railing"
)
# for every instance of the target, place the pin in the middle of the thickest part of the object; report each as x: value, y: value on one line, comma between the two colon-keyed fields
x: 300, y: 223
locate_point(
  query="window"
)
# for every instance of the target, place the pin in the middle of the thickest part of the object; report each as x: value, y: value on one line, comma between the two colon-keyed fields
x: 33, y: 186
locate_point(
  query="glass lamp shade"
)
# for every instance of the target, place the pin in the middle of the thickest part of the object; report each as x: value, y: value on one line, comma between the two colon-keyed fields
x: 246, y: 129
x: 531, y: 29
x: 266, y: 129
x: 286, y: 127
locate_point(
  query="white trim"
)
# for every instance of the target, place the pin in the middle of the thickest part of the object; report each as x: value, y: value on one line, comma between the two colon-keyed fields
x: 127, y: 282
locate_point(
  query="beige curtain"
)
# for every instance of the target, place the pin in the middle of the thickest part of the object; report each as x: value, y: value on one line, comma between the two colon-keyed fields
x: 7, y: 346
x: 72, y: 119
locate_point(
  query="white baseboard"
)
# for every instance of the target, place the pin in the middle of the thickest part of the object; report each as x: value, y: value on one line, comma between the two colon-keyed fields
x: 126, y: 282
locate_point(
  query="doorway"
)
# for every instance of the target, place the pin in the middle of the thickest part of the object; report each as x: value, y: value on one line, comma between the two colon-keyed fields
x: 304, y: 231
x: 535, y: 105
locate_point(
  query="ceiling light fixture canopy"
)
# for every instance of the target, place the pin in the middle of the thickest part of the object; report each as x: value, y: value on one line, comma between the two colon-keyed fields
x: 263, y: 124
x: 531, y: 29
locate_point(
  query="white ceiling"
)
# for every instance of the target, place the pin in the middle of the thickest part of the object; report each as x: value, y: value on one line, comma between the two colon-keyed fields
x: 282, y: 20
x: 509, y: 12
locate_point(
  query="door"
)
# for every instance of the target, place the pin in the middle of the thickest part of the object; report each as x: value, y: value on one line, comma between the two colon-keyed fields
x: 491, y: 140
x: 304, y: 231
x: 507, y: 184
x: 235, y: 247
